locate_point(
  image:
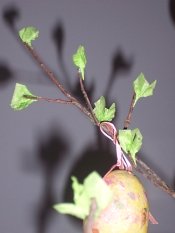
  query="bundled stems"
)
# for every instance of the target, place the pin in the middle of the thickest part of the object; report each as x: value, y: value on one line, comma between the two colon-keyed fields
x: 144, y: 169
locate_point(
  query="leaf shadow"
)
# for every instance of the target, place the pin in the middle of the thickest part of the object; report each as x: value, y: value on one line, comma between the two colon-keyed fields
x: 58, y: 36
x: 172, y: 10
x: 11, y: 15
x: 120, y: 64
x: 97, y: 156
x: 6, y: 74
x: 47, y: 158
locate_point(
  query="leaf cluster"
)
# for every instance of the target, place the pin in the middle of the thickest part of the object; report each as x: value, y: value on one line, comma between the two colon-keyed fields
x: 93, y: 187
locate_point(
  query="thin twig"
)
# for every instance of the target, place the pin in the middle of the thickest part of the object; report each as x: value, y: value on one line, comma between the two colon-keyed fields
x: 47, y: 71
x: 144, y: 169
x: 153, y: 177
x: 53, y: 78
x: 129, y: 116
x: 88, y: 101
x: 60, y: 101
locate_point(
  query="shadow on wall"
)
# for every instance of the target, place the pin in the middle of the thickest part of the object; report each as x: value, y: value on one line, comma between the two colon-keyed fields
x: 172, y: 16
x: 6, y: 75
x: 172, y: 10
x: 50, y: 151
x: 48, y: 158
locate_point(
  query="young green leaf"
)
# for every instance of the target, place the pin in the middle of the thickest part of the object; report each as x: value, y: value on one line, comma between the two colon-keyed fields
x: 142, y: 88
x: 101, y: 112
x: 79, y: 60
x: 130, y: 141
x: 28, y: 34
x: 84, y: 193
x: 19, y: 101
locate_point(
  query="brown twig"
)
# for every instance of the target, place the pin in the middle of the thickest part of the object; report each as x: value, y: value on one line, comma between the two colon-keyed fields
x: 53, y: 78
x: 129, y: 116
x: 144, y: 169
x: 60, y: 101
x: 88, y: 101
x: 153, y: 177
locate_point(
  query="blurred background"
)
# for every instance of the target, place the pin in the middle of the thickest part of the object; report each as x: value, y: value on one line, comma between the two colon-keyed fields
x: 42, y: 146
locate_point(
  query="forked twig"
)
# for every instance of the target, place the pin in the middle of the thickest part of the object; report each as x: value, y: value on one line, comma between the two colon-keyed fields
x: 143, y: 168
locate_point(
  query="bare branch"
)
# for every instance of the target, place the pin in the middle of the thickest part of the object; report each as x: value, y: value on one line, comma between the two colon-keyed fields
x: 53, y: 78
x: 143, y: 168
x: 147, y: 172
x: 129, y: 116
x: 88, y: 101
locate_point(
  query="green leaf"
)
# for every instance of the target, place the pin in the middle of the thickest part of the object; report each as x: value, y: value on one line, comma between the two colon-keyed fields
x: 28, y: 34
x: 96, y: 187
x: 71, y: 209
x: 101, y: 112
x: 142, y: 88
x: 79, y: 60
x: 19, y: 101
x: 93, y: 187
x: 131, y: 141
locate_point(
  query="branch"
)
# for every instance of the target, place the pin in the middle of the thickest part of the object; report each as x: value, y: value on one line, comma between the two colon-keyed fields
x: 60, y: 101
x: 129, y: 116
x: 88, y: 101
x: 53, y: 78
x: 144, y: 169
x: 154, y: 178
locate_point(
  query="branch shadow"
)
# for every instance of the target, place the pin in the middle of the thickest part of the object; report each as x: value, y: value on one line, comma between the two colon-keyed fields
x: 48, y: 157
x: 98, y: 155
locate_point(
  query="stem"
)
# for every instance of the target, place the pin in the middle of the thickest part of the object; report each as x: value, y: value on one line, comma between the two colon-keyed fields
x: 129, y: 116
x: 154, y: 178
x: 48, y: 72
x: 60, y: 101
x: 53, y: 78
x: 88, y: 224
x: 88, y: 101
x: 144, y: 169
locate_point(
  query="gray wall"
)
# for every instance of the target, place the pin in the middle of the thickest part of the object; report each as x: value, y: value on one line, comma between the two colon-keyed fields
x: 43, y: 145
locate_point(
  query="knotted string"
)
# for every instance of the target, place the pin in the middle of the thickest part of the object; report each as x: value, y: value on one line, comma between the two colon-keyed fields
x: 109, y: 130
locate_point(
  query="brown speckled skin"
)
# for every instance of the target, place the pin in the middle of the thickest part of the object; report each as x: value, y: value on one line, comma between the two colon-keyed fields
x: 128, y: 210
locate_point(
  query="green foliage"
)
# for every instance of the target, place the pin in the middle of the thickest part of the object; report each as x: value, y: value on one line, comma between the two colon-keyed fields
x: 28, y: 34
x: 142, y: 88
x: 93, y: 187
x: 130, y: 141
x: 101, y: 112
x: 19, y: 101
x: 79, y: 60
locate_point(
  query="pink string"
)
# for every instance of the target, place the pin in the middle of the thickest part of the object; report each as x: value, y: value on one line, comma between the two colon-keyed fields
x: 109, y: 130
